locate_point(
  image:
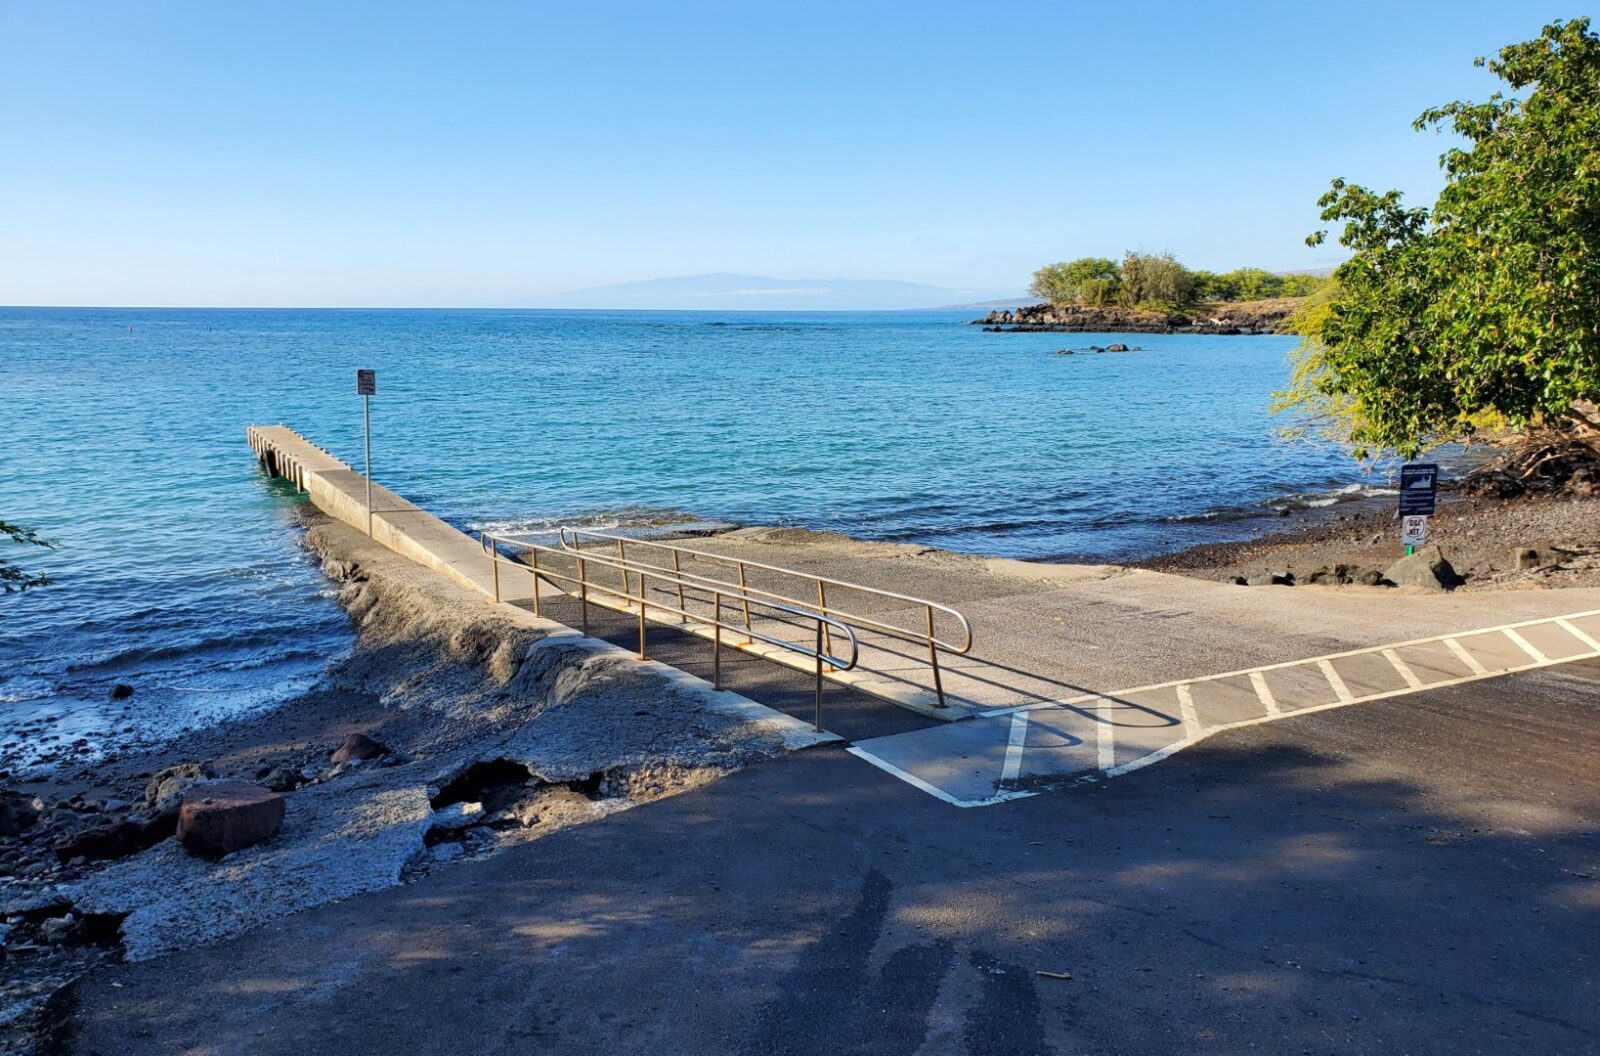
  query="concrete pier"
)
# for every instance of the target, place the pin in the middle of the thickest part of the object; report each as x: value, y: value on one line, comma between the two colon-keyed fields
x: 401, y: 525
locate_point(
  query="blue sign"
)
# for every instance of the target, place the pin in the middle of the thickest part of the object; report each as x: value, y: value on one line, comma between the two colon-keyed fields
x: 1419, y: 486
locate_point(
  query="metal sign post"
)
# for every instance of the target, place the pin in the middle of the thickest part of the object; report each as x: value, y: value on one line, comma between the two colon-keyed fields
x: 1419, y: 488
x: 366, y: 388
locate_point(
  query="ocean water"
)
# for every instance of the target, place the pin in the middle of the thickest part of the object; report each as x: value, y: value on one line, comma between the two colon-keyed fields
x: 178, y: 570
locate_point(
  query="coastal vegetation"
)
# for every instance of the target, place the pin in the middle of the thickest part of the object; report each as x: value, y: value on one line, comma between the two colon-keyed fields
x: 1477, y: 316
x: 1160, y: 280
x: 14, y: 580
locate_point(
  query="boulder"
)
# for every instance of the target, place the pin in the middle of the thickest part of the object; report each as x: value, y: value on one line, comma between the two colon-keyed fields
x: 358, y: 746
x: 1117, y: 348
x: 17, y: 813
x: 1426, y: 569
x: 121, y: 691
x: 220, y: 818
x: 169, y: 784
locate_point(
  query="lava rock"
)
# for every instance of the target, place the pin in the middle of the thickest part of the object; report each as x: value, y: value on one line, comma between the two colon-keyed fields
x: 59, y: 931
x: 220, y: 818
x: 121, y: 691
x: 169, y: 784
x: 283, y: 779
x: 1427, y: 569
x: 18, y: 813
x: 358, y: 746
x: 118, y: 839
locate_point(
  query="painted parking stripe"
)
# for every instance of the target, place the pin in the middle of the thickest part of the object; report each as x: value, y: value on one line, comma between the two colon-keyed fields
x: 1336, y: 680
x: 1403, y: 668
x: 1191, y: 720
x: 1014, y: 746
x: 1465, y: 657
x: 1525, y: 645
x: 1264, y: 694
x: 1578, y: 633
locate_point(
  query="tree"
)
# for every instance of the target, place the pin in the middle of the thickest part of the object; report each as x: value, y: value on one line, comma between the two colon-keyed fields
x: 1484, y: 308
x: 1087, y: 280
x: 14, y: 580
x: 1253, y: 284
x: 1298, y: 284
x: 1155, y: 278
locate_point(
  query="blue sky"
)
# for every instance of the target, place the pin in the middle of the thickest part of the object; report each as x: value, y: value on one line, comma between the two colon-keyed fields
x: 486, y: 153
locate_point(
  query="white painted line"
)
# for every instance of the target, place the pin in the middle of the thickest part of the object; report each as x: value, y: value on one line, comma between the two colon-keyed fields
x: 1403, y: 668
x: 1105, y: 731
x: 1105, y: 743
x: 1336, y: 680
x: 1264, y: 694
x: 1191, y: 720
x: 1525, y: 645
x: 1176, y: 746
x: 909, y: 778
x: 1445, y: 638
x: 1019, y: 739
x: 1579, y: 633
x: 1466, y: 657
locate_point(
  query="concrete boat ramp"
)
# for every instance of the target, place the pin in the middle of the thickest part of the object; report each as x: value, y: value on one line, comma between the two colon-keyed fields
x: 1074, y: 673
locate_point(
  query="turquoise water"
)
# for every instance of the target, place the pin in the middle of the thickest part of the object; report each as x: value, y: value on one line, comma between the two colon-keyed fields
x: 122, y: 438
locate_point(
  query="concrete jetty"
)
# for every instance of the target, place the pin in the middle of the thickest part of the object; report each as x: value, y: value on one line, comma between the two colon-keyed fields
x: 401, y: 525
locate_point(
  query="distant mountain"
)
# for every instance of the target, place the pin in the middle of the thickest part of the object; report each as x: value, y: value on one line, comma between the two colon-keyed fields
x: 723, y: 292
x: 978, y: 306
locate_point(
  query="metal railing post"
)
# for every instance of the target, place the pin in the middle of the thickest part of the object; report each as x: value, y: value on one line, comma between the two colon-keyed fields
x: 933, y: 659
x: 642, y: 655
x: 535, y: 555
x: 494, y: 563
x: 816, y: 722
x: 677, y: 568
x: 583, y: 593
x: 622, y: 560
x: 822, y: 607
x: 746, y: 596
x: 716, y: 641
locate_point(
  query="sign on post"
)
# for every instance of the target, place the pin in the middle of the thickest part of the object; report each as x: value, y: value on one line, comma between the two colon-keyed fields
x: 1419, y: 490
x: 1419, y: 485
x: 366, y: 388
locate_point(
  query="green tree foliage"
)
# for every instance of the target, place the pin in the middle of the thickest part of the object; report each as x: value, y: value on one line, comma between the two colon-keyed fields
x: 1155, y: 278
x: 1087, y: 280
x: 1299, y: 285
x: 1159, y: 279
x: 13, y: 580
x: 1486, y: 307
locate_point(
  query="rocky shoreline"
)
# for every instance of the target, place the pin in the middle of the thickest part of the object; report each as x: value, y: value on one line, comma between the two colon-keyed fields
x: 1244, y: 317
x: 1532, y: 542
x: 451, y: 730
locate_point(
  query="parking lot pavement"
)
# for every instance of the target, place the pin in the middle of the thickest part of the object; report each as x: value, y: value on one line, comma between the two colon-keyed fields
x: 1419, y: 874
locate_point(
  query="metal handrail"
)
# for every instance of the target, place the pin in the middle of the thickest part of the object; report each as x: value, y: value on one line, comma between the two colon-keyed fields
x: 927, y: 638
x: 866, y: 621
x: 826, y: 626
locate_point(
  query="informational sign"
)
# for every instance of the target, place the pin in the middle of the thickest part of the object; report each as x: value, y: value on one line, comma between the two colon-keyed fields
x: 1419, y: 485
x: 366, y: 383
x: 1414, y: 530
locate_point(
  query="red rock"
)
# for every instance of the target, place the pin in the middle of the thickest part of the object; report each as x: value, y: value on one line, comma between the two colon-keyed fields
x: 220, y: 818
x: 358, y: 746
